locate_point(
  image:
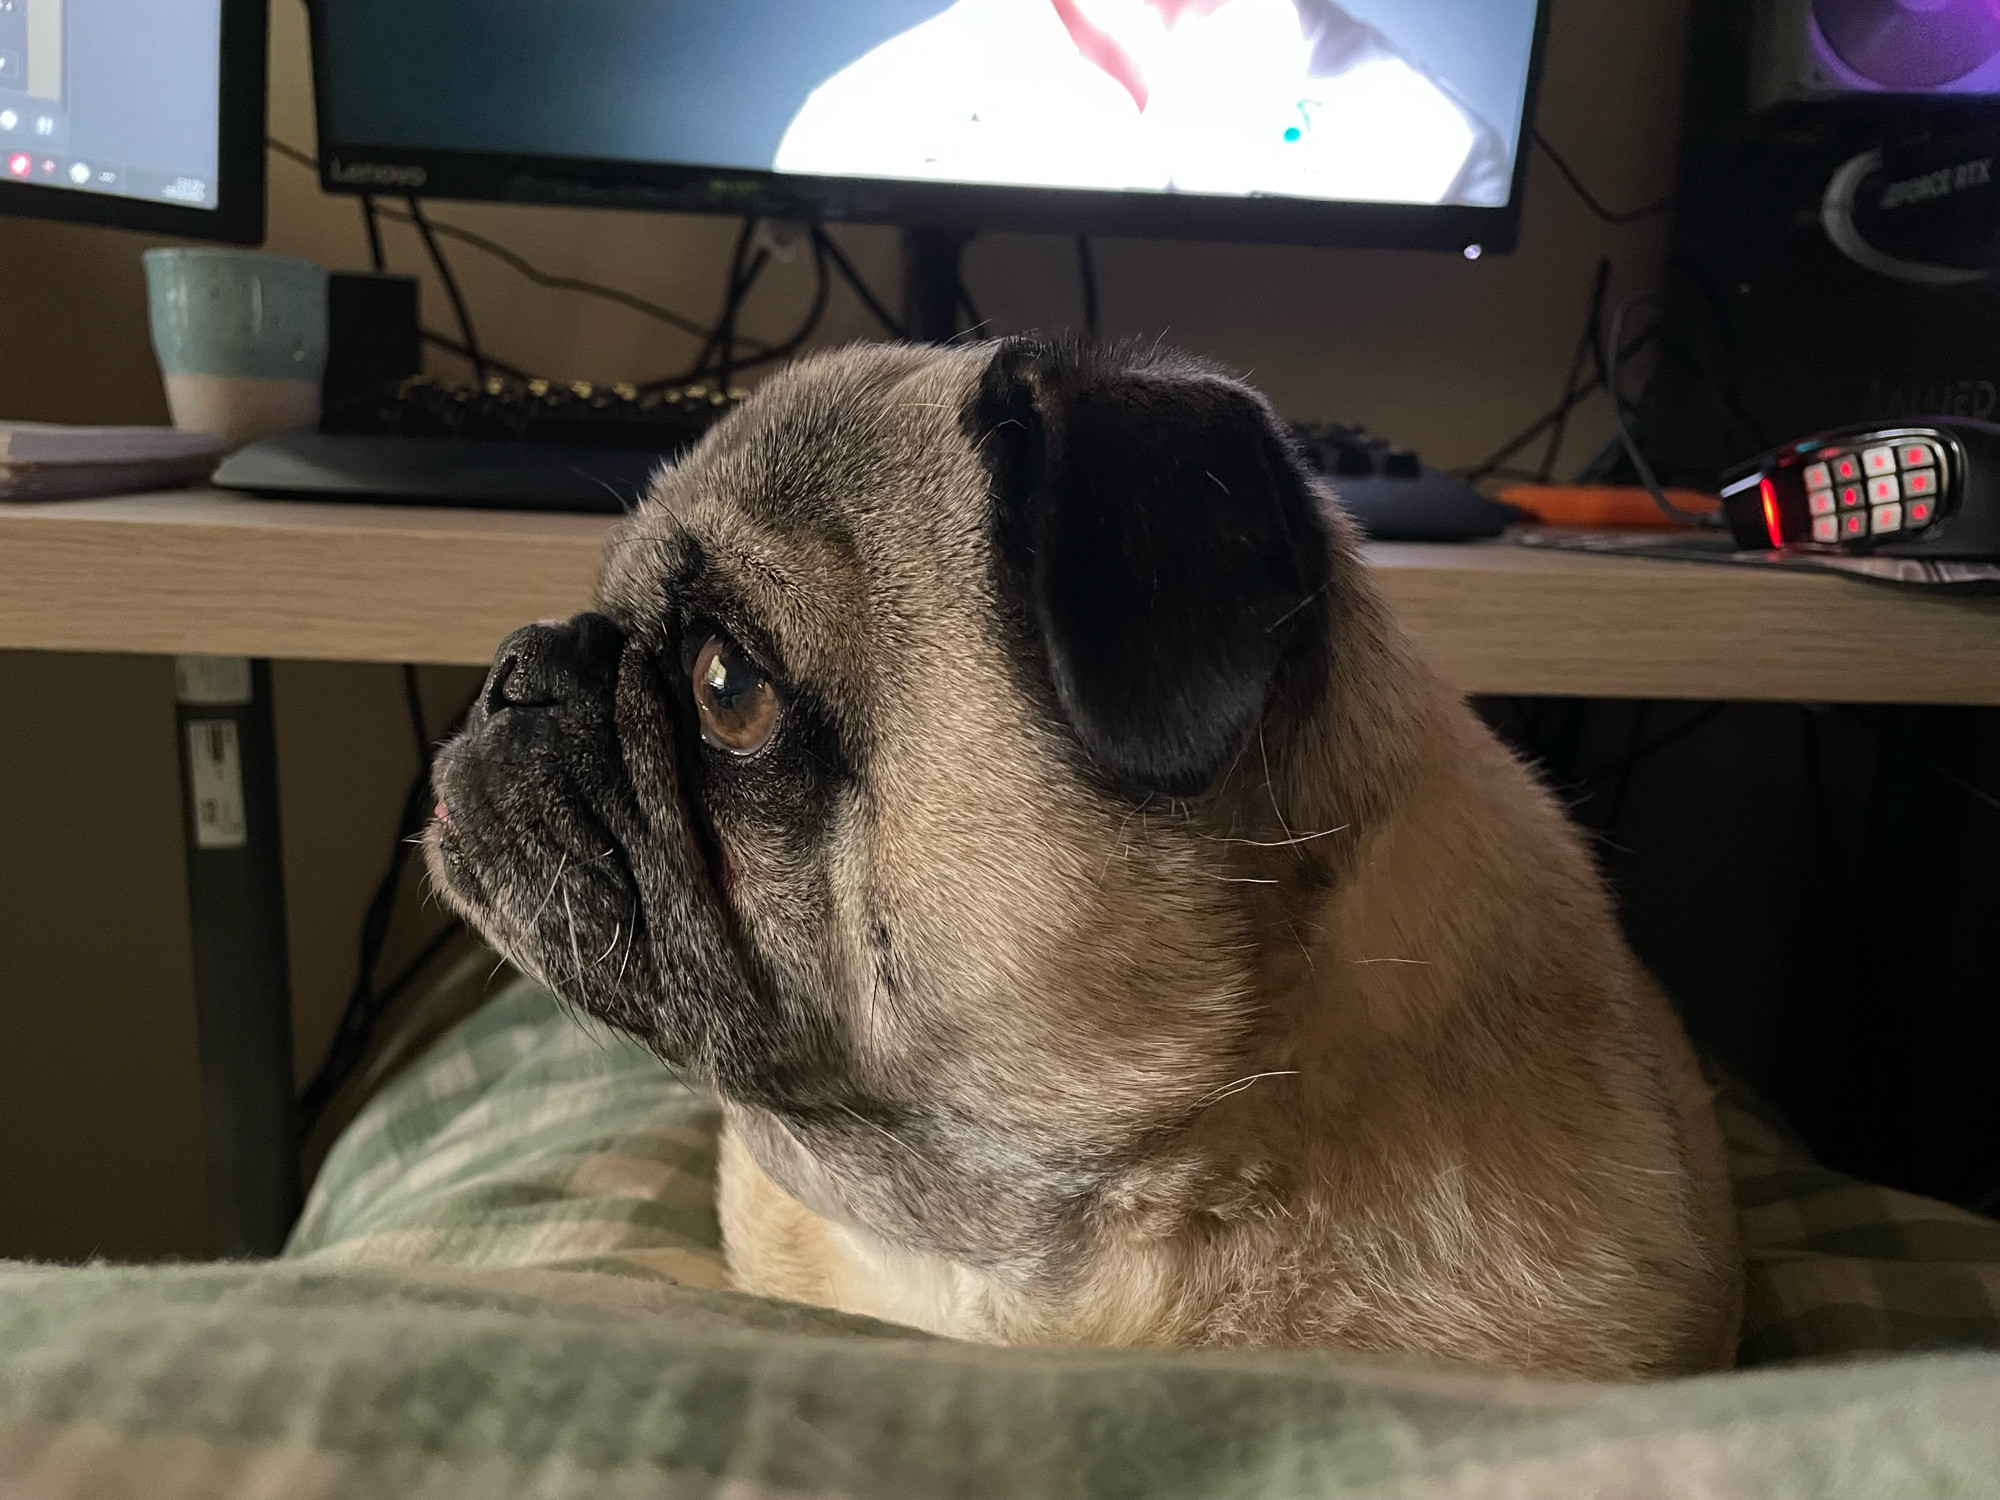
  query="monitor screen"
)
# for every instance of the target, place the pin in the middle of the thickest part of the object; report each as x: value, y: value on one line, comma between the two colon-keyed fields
x: 147, y: 116
x: 985, y: 111
x: 104, y: 96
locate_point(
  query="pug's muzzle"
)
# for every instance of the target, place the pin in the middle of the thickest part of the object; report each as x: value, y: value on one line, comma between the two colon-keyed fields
x: 544, y: 843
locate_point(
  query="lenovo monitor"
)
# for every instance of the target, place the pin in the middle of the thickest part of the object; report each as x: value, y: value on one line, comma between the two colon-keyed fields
x: 1363, y: 122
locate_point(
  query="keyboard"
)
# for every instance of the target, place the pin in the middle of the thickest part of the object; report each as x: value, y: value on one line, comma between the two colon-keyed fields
x: 543, y: 446
x: 1395, y: 495
x: 502, y: 445
x: 539, y: 411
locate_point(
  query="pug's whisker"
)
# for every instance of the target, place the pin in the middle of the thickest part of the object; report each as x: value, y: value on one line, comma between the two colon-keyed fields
x: 630, y: 934
x: 1270, y: 790
x: 1239, y: 879
x: 617, y: 931
x: 881, y: 1130
x: 1297, y: 607
x: 554, y: 881
x: 625, y: 504
x: 575, y: 951
x: 1304, y: 951
x: 1118, y: 841
x: 1286, y: 843
x: 1420, y: 962
x: 1230, y: 1090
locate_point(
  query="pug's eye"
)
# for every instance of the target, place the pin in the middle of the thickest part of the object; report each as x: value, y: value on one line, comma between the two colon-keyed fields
x: 737, y: 703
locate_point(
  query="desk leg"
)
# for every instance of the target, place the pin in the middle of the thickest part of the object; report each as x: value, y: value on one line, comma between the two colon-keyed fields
x: 242, y: 984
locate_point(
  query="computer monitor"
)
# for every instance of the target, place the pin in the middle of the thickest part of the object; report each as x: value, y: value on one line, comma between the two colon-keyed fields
x: 1358, y: 122
x: 145, y: 116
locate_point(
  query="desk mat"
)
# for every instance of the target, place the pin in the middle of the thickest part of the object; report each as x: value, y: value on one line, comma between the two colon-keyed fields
x: 1959, y: 579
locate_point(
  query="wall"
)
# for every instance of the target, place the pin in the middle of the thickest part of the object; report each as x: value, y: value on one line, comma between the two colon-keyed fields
x: 98, y: 1125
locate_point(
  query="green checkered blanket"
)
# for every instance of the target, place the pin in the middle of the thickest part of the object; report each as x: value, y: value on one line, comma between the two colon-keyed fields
x: 526, y: 1138
x: 505, y: 1283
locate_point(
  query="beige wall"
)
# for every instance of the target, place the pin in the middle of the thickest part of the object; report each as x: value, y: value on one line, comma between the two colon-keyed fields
x: 99, y: 1135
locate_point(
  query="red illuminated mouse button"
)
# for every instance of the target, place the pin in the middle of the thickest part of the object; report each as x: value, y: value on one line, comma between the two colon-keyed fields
x: 1919, y: 513
x: 1854, y: 525
x: 1846, y: 467
x: 1826, y: 528
x: 1820, y: 502
x: 1921, y: 482
x: 1879, y: 460
x: 1916, y: 455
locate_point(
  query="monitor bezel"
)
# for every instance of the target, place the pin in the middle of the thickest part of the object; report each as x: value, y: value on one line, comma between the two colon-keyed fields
x: 238, y: 215
x: 361, y: 167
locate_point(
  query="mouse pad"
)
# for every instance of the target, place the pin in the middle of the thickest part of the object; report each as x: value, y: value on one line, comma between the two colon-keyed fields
x: 1961, y: 579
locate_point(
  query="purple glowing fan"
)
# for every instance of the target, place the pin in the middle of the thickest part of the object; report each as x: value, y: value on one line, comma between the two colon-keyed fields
x: 1910, y: 46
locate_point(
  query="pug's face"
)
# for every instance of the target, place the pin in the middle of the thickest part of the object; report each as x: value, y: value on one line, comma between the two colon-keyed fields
x: 884, y: 790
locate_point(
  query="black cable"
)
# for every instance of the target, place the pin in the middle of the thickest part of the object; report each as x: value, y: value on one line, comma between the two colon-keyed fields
x: 1614, y: 217
x: 451, y: 291
x: 1633, y: 743
x: 785, y: 348
x: 1654, y: 746
x: 725, y: 375
x: 519, y: 264
x: 529, y: 271
x: 1086, y: 272
x: 292, y: 153
x: 809, y: 325
x: 1542, y: 424
x: 1589, y: 346
x: 368, y: 1002
x: 1612, y: 353
x: 453, y: 346
x: 378, y: 261
x: 413, y: 970
x: 860, y: 287
x: 413, y: 704
x: 1726, y: 393
x: 743, y: 272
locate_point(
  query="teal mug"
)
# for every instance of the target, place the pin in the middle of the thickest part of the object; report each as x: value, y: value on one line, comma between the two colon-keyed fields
x: 241, y: 339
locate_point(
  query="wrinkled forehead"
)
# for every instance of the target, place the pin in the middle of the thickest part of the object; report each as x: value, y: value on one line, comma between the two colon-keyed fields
x: 822, y: 514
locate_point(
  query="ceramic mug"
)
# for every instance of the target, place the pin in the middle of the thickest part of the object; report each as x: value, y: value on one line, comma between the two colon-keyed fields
x: 241, y: 339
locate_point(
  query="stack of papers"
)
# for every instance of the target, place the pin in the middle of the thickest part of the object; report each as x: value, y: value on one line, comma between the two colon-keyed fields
x: 47, y: 461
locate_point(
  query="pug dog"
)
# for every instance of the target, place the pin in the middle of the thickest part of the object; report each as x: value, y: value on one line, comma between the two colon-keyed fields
x: 991, y: 770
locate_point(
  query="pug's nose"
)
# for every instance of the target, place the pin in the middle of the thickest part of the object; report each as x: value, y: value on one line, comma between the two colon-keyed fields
x: 548, y: 665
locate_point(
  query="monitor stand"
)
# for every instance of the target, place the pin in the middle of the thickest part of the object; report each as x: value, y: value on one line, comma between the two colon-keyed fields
x: 930, y: 282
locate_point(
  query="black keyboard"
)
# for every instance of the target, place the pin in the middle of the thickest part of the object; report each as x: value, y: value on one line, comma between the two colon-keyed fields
x: 542, y: 446
x: 540, y: 411
x: 503, y: 445
x: 1396, y: 496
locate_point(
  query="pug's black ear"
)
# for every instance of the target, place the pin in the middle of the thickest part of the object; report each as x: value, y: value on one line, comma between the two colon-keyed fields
x: 1159, y: 529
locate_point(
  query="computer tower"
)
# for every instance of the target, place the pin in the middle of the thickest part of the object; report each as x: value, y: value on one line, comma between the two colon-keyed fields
x: 1833, y: 248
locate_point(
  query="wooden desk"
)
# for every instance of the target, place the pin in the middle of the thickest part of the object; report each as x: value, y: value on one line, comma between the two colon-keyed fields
x: 203, y: 571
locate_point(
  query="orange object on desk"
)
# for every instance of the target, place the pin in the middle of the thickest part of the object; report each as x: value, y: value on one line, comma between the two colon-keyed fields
x: 1619, y: 505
